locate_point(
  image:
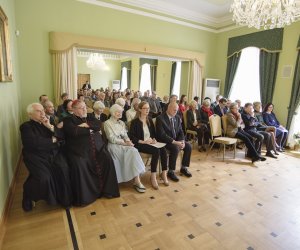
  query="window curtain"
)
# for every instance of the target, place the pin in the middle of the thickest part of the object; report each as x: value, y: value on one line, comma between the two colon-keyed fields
x: 268, y: 63
x: 195, y: 80
x: 269, y: 42
x: 65, y: 73
x: 173, y: 72
x: 232, y: 65
x: 127, y: 65
x: 295, y: 93
x: 153, y: 70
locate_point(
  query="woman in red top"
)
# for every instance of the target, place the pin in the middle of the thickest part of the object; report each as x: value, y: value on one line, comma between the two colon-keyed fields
x: 183, y: 104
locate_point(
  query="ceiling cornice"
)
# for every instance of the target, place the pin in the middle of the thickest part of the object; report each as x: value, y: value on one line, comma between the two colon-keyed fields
x: 201, y: 23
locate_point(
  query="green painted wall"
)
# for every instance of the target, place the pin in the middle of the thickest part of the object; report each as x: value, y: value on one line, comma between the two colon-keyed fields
x: 288, y: 56
x: 163, y: 78
x: 100, y: 78
x: 10, y: 105
x: 76, y: 17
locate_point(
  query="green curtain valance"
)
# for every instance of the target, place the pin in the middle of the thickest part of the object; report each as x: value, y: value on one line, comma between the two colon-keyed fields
x: 269, y: 40
x: 152, y: 62
x: 126, y: 64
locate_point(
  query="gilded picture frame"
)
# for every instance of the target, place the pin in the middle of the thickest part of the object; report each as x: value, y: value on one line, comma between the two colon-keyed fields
x: 5, y: 58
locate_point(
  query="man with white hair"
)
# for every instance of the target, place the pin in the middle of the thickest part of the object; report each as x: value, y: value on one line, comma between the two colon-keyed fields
x: 93, y: 173
x: 48, y: 170
x: 169, y: 130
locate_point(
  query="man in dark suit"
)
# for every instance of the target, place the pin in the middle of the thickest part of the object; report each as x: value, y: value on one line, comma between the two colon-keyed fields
x: 87, y: 85
x: 169, y: 131
x: 221, y: 108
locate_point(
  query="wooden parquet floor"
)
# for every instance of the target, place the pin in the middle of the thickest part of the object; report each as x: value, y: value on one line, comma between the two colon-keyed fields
x: 225, y: 205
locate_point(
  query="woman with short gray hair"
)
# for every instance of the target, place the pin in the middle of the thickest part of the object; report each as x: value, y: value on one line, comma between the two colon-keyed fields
x: 128, y: 162
x: 98, y: 108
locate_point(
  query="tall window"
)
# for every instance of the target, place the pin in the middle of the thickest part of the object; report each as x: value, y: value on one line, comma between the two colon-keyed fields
x: 176, y: 87
x: 145, y: 78
x: 245, y: 86
x: 124, y: 83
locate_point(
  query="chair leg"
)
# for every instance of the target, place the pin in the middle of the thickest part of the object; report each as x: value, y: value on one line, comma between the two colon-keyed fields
x: 224, y: 147
x: 210, y: 148
x: 234, y: 150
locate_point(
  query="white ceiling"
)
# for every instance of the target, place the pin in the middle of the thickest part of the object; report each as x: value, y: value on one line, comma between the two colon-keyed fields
x: 211, y: 15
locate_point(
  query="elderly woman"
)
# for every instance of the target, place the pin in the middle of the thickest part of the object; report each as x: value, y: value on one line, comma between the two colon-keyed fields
x: 234, y: 120
x: 98, y: 108
x: 271, y: 120
x: 142, y: 133
x: 265, y: 127
x: 128, y: 162
x: 194, y: 123
x: 121, y: 102
x: 131, y: 113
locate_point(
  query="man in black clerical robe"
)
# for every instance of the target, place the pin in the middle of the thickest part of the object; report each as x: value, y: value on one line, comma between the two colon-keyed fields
x: 48, y: 178
x: 93, y: 173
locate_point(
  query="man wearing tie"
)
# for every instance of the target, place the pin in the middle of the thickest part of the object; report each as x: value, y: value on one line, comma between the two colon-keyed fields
x: 169, y: 131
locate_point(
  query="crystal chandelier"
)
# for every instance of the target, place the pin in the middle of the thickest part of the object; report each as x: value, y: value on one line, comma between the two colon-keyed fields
x: 267, y: 14
x: 96, y: 62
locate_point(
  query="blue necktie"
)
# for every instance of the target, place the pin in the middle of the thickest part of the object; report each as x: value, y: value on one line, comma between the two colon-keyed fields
x: 172, y: 128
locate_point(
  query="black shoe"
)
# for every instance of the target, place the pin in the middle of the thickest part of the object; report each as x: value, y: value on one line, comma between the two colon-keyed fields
x: 254, y: 159
x: 269, y: 154
x: 185, y: 172
x: 262, y: 158
x: 26, y: 204
x: 172, y: 176
x: 276, y: 153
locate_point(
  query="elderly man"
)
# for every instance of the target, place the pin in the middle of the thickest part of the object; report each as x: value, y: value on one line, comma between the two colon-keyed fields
x: 154, y: 103
x: 169, y: 131
x: 92, y: 169
x: 50, y: 112
x: 254, y: 128
x: 48, y: 170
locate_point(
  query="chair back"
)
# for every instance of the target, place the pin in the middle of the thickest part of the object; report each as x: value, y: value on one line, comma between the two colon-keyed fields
x: 215, y: 125
x: 224, y: 123
x: 184, y: 117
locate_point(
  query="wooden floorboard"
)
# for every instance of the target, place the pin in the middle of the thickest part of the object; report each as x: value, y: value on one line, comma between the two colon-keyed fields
x: 225, y: 205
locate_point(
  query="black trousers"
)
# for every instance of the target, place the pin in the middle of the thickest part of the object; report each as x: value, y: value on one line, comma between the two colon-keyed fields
x: 156, y: 153
x: 173, y: 154
x: 247, y: 139
x: 203, y: 134
x: 259, y: 139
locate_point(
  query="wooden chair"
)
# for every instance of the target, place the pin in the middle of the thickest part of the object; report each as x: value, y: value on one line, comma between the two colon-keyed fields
x: 192, y: 133
x: 216, y: 135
